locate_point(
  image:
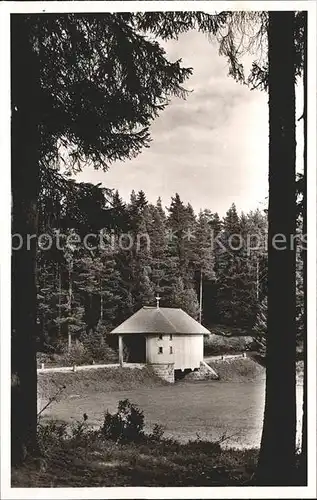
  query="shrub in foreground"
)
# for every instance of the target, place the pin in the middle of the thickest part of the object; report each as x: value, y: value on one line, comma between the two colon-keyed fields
x: 127, y: 424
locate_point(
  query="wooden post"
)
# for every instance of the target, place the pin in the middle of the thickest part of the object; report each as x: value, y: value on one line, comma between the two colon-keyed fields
x: 120, y: 350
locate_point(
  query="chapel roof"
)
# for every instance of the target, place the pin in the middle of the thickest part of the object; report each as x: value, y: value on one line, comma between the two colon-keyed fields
x: 161, y: 320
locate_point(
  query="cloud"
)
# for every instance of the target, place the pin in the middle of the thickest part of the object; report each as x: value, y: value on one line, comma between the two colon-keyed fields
x: 211, y: 147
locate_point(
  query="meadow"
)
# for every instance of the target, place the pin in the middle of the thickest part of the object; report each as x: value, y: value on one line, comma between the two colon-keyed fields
x: 210, y: 409
x: 226, y: 410
x: 212, y: 429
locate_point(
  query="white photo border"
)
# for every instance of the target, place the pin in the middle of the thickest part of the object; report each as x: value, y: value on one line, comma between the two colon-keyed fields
x: 6, y: 8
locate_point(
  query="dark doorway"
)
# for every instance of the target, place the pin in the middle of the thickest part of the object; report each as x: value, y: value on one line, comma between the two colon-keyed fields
x: 134, y: 349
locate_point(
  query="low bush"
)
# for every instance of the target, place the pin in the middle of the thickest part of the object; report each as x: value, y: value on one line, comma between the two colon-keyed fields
x: 125, y: 425
x: 76, y: 355
x: 157, y: 432
x: 51, y: 434
x: 83, y: 352
x: 98, y: 349
x: 218, y: 344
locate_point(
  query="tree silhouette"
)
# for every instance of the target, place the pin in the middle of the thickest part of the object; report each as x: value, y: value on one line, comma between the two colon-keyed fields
x: 277, y: 454
x: 91, y: 86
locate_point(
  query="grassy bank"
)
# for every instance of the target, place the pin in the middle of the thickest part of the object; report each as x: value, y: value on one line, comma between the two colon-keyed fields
x: 95, y: 462
x: 247, y: 369
x: 96, y: 380
x: 238, y: 370
x: 123, y: 379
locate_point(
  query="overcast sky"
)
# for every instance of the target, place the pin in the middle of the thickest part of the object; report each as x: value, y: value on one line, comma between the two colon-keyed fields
x: 211, y: 148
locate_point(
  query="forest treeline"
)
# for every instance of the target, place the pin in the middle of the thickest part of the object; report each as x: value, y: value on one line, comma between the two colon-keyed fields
x: 100, y: 259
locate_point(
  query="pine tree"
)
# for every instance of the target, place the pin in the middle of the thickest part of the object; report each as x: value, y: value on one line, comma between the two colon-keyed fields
x: 254, y: 233
x: 158, y: 247
x: 176, y: 225
x: 160, y: 209
x: 203, y: 255
x: 185, y: 298
x: 120, y: 221
x: 236, y: 297
x: 214, y: 222
x: 181, y: 227
x: 138, y: 202
x: 157, y: 231
x: 138, y: 257
x: 144, y: 292
x: 141, y: 200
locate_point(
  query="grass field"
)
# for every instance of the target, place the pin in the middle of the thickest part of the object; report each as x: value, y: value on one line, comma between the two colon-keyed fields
x: 210, y: 409
x: 196, y: 416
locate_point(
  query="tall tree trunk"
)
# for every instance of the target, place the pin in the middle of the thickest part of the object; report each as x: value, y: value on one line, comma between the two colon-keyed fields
x: 201, y: 296
x: 70, y: 294
x: 257, y: 280
x: 277, y: 454
x: 43, y: 326
x: 25, y: 188
x: 59, y: 301
x: 304, y: 253
x: 101, y: 300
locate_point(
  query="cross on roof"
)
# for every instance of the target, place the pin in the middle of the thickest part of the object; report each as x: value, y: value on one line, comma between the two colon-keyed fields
x: 158, y: 298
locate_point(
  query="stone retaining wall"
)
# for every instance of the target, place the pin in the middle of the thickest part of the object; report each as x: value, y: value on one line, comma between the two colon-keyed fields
x: 164, y: 370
